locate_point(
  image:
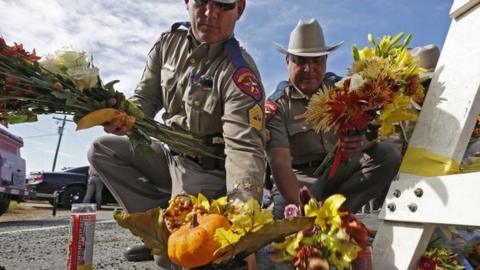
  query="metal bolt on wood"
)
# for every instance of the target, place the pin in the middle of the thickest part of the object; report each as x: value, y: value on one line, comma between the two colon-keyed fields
x: 418, y: 192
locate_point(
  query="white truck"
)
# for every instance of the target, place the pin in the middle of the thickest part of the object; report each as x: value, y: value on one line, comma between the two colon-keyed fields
x: 12, y: 170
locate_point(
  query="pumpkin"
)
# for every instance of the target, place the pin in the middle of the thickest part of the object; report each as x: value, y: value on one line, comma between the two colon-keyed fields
x: 193, y: 244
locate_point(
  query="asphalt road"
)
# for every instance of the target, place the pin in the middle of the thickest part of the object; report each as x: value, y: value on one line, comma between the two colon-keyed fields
x: 31, y: 238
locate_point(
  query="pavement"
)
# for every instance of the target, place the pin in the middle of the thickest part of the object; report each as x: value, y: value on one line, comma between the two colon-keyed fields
x: 31, y: 238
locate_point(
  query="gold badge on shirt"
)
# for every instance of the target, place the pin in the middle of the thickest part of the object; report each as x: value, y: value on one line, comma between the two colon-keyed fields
x: 255, y: 117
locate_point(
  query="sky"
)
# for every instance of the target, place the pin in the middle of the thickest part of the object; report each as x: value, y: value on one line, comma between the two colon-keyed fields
x: 119, y: 33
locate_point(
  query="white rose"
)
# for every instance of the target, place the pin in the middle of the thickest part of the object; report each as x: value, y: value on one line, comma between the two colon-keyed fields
x: 49, y: 63
x: 70, y: 58
x: 356, y: 82
x: 83, y: 77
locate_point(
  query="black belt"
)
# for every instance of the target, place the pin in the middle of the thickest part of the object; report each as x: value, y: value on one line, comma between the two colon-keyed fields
x: 307, y: 165
x: 207, y: 163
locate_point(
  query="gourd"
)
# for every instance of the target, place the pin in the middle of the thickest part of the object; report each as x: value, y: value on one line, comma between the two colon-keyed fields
x: 193, y: 244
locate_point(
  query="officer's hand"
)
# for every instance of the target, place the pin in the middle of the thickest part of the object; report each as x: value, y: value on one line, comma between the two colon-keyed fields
x: 356, y: 143
x: 251, y: 262
x: 117, y: 126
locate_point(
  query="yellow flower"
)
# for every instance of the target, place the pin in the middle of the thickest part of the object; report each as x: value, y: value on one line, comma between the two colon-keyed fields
x: 399, y: 110
x: 326, y: 215
x: 290, y: 244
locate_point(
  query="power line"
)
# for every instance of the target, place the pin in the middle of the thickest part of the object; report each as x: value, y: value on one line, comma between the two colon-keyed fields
x: 38, y: 136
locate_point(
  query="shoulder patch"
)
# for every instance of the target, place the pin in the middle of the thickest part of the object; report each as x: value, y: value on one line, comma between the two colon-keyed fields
x: 271, y: 106
x: 248, y: 83
x: 255, y: 117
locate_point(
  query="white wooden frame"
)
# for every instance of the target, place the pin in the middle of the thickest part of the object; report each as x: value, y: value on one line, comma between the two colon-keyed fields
x: 416, y: 204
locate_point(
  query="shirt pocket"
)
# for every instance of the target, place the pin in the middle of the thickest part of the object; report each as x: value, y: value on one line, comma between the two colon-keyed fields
x: 304, y: 141
x: 167, y: 76
x: 168, y: 82
x: 201, y: 107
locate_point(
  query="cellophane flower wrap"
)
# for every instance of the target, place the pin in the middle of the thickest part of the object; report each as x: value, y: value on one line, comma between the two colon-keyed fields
x: 334, y: 240
x: 246, y: 227
x: 375, y: 95
x: 66, y: 82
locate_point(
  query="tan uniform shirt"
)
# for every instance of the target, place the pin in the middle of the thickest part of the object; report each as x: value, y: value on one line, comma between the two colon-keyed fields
x: 289, y: 129
x: 194, y: 84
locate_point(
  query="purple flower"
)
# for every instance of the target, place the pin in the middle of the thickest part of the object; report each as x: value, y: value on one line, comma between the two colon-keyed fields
x: 304, y: 195
x: 291, y: 211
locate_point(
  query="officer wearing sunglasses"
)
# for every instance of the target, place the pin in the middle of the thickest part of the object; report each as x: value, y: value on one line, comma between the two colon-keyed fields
x: 207, y: 85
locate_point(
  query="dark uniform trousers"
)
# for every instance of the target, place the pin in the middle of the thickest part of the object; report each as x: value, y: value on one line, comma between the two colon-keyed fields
x: 365, y: 176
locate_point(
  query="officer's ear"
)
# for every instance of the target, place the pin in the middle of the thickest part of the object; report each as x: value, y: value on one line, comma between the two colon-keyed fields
x: 287, y: 59
x: 240, y: 8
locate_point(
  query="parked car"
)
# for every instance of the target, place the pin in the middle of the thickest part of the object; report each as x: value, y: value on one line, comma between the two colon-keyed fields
x: 70, y: 185
x: 12, y: 170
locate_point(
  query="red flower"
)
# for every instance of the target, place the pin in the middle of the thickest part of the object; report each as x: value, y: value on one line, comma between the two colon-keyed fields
x: 428, y: 263
x: 309, y: 258
x: 17, y: 50
x: 347, y: 114
x: 356, y: 229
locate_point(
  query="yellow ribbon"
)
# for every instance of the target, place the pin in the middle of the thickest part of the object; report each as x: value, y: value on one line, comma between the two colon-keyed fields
x: 419, y: 161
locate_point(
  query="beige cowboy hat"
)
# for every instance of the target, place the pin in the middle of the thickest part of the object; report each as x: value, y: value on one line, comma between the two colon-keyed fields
x: 427, y: 58
x: 307, y: 40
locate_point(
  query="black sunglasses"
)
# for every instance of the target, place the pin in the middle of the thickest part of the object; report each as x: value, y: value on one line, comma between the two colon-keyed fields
x: 219, y: 5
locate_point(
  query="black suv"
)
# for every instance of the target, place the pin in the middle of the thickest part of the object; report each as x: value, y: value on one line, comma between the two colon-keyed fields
x: 70, y: 184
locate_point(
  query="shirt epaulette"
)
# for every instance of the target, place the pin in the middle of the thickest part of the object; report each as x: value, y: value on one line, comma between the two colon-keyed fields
x: 177, y: 25
x: 271, y: 106
x: 332, y: 77
x: 243, y: 76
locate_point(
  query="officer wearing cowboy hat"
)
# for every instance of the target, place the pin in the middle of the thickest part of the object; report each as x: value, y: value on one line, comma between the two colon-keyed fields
x: 295, y: 150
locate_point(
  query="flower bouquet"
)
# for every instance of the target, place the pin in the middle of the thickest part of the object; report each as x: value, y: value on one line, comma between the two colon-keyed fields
x: 439, y: 258
x: 335, y: 239
x: 376, y: 94
x: 68, y: 83
x: 194, y: 232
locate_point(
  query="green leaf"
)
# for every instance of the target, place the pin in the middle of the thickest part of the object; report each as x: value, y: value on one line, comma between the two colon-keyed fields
x: 253, y: 241
x: 110, y: 86
x: 62, y: 94
x: 371, y: 39
x: 133, y: 110
x: 356, y: 54
x: 407, y: 40
x: 396, y: 39
x: 21, y: 118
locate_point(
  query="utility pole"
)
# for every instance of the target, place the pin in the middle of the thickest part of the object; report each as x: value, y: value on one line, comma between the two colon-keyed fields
x: 60, y: 133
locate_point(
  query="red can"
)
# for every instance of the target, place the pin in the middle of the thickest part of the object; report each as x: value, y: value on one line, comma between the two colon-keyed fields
x: 82, y: 232
x: 364, y: 260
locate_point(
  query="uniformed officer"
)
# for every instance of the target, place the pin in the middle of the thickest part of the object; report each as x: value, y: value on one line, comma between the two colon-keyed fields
x: 208, y: 86
x: 295, y: 150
